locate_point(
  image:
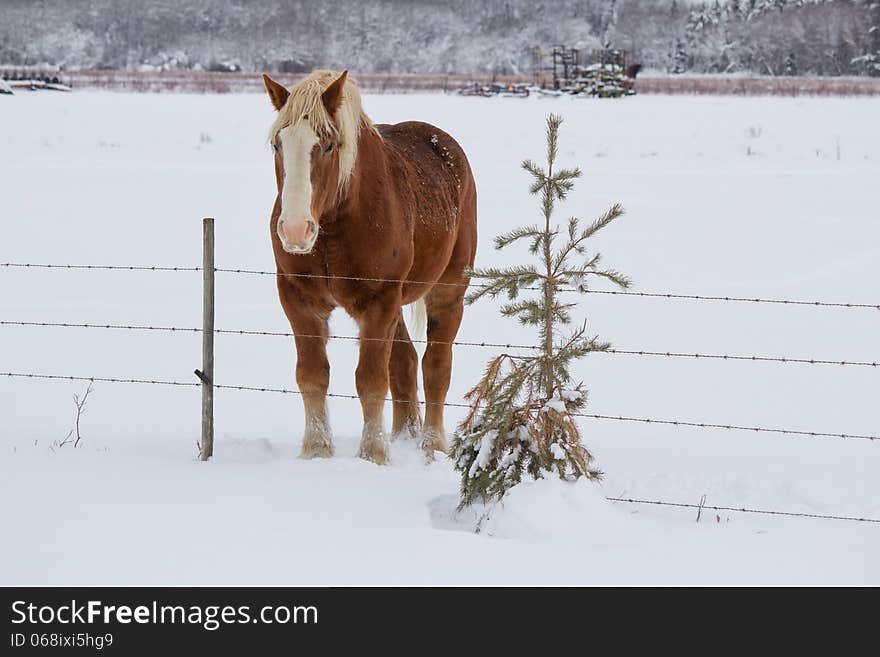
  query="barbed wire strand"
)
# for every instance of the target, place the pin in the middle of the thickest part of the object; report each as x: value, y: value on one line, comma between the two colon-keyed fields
x: 766, y: 359
x: 288, y: 334
x: 457, y: 343
x: 769, y: 512
x: 632, y: 293
x: 659, y: 295
x: 728, y: 427
x: 33, y: 265
x: 337, y: 395
x: 628, y: 500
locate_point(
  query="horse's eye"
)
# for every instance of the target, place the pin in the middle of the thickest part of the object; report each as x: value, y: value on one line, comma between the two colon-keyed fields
x: 328, y: 147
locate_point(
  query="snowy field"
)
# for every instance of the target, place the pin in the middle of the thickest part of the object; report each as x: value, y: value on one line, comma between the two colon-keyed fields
x: 731, y: 196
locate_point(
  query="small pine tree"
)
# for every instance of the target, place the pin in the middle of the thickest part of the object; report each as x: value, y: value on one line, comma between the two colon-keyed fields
x: 521, y: 411
x: 871, y: 58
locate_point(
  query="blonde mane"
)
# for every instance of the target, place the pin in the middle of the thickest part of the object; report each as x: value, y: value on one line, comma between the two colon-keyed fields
x: 305, y: 101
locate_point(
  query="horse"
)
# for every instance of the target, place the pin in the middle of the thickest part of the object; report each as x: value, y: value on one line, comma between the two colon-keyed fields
x: 369, y: 218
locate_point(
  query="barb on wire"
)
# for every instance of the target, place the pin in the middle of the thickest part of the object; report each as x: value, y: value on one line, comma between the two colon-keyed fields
x: 630, y: 293
x: 593, y: 416
x: 457, y: 343
x: 769, y: 512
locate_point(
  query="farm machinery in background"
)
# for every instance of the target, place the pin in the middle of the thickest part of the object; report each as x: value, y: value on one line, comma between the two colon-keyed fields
x: 30, y: 80
x: 512, y: 90
x: 563, y: 71
x: 604, y: 73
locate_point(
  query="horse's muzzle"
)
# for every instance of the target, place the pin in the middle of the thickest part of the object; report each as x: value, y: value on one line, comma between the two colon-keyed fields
x: 297, y: 236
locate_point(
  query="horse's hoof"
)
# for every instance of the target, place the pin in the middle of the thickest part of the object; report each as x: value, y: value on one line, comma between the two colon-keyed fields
x: 316, y: 450
x: 408, y: 432
x: 433, y: 441
x: 375, y: 452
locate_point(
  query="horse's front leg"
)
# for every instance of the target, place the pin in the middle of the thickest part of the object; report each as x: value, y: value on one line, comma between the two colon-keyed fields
x: 312, y: 372
x: 378, y: 325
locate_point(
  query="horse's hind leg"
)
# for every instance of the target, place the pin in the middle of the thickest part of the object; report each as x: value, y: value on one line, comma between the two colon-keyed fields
x: 444, y: 304
x: 403, y: 372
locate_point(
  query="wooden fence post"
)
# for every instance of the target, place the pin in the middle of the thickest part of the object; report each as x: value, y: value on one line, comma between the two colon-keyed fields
x: 206, y: 447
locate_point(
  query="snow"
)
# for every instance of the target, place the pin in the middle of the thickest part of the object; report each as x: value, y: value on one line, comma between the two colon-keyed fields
x: 555, y: 404
x: 550, y: 509
x: 485, y: 453
x: 509, y: 457
x: 731, y: 196
x: 571, y: 395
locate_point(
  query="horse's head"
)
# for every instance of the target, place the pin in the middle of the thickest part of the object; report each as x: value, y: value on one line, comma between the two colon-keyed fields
x: 315, y: 139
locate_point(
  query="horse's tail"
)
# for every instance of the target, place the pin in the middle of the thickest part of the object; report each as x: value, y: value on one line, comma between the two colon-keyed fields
x: 419, y: 317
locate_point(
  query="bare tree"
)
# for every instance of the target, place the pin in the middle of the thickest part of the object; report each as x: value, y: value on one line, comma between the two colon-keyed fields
x: 74, y: 436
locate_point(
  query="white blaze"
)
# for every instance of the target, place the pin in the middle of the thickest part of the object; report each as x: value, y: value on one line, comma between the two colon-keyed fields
x: 296, y: 190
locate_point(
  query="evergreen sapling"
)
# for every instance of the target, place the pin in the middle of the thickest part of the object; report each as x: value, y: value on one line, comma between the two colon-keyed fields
x: 521, y: 421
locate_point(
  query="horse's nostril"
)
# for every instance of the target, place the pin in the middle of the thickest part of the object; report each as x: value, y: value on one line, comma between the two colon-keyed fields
x: 312, y: 228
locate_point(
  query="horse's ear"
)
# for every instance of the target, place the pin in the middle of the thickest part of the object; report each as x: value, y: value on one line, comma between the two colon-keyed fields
x: 332, y: 97
x: 277, y: 93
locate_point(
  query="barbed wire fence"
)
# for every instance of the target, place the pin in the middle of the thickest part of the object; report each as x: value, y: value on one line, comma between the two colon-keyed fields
x: 624, y: 293
x: 207, y: 384
x: 455, y: 343
x: 628, y: 500
x: 338, y: 395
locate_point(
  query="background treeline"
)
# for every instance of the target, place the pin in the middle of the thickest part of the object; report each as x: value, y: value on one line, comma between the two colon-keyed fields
x: 774, y: 37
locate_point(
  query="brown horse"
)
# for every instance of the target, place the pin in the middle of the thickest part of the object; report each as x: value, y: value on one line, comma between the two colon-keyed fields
x: 369, y: 218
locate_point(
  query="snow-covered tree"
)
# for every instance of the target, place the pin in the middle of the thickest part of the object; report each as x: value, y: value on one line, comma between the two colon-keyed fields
x: 680, y: 58
x: 870, y: 60
x: 826, y: 37
x: 609, y: 22
x: 521, y: 421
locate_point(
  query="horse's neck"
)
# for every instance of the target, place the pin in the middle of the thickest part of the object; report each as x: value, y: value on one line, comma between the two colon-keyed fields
x: 370, y: 174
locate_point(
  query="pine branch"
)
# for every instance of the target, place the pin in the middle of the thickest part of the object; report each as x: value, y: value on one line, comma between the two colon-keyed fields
x: 508, y: 281
x: 560, y: 312
x: 553, y: 123
x: 581, y: 348
x: 517, y: 234
x: 613, y: 213
x: 537, y: 244
x: 615, y: 277
x: 529, y: 312
x: 562, y: 182
x: 573, y: 246
x: 538, y: 173
x: 588, y: 267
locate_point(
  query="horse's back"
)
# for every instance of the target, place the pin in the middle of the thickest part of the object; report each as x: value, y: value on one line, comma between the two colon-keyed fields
x: 432, y: 167
x: 430, y: 150
x: 431, y: 171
